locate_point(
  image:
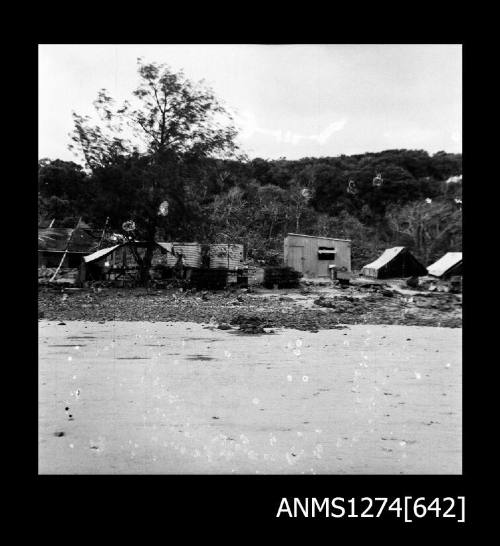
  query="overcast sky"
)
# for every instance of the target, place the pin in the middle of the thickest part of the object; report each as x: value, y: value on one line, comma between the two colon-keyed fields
x: 292, y: 101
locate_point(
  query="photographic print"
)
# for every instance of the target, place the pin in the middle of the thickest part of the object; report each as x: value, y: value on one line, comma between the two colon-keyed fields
x: 250, y: 259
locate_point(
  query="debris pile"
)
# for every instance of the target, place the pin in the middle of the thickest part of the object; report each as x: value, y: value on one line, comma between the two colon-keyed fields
x: 340, y: 303
x: 65, y: 276
x: 250, y: 324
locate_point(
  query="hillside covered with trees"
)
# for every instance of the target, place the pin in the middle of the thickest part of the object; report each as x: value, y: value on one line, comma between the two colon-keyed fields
x: 168, y: 144
x: 257, y: 202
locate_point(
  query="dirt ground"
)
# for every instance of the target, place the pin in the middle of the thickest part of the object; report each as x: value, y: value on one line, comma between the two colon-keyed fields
x: 135, y: 396
x: 309, y: 308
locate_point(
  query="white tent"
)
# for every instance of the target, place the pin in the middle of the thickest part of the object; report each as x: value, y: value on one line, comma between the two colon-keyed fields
x: 371, y: 269
x: 445, y: 264
x: 394, y: 262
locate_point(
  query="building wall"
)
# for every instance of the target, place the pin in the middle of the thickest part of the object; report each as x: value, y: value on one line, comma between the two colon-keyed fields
x: 220, y: 256
x: 191, y: 255
x: 226, y: 256
x: 301, y: 253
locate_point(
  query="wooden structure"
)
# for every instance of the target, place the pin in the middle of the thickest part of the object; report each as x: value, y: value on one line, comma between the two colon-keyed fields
x: 225, y: 256
x: 66, y: 244
x: 118, y: 262
x: 190, y: 261
x: 312, y: 256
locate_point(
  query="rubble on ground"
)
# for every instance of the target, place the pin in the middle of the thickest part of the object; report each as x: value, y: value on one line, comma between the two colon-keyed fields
x: 252, y: 324
x: 308, y: 309
x: 65, y: 276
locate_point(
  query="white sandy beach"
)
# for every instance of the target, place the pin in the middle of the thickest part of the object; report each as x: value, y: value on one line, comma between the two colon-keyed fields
x: 179, y: 398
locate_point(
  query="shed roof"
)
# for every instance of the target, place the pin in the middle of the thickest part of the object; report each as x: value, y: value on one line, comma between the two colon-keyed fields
x: 167, y: 246
x: 101, y: 253
x: 317, y: 237
x: 444, y: 264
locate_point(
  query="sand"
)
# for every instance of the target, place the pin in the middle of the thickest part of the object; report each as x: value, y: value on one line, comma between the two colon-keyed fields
x: 179, y: 398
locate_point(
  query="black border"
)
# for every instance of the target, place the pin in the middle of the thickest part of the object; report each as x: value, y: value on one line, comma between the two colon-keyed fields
x: 255, y: 499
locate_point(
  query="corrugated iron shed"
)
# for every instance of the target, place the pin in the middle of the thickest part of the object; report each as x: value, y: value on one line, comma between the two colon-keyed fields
x: 226, y: 256
x: 222, y: 256
x: 191, y: 254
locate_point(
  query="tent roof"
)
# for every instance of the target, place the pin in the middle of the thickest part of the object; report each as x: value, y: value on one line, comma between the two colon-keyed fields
x: 387, y: 256
x: 446, y: 262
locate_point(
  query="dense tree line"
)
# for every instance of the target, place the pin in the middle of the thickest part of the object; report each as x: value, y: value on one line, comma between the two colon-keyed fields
x: 257, y: 202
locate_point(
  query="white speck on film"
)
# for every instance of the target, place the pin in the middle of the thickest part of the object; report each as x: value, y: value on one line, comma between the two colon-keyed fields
x: 318, y: 451
x: 290, y: 458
